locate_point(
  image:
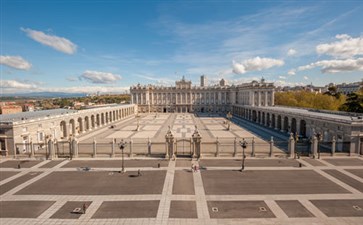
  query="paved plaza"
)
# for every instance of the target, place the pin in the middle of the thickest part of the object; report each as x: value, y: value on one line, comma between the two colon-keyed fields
x: 271, y: 190
x: 153, y: 127
x: 268, y: 191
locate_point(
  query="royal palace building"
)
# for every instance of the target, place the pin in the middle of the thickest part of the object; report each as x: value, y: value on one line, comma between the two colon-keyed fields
x: 184, y: 97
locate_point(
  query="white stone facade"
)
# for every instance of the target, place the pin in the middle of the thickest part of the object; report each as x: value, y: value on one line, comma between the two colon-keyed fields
x: 184, y: 97
x: 61, y: 126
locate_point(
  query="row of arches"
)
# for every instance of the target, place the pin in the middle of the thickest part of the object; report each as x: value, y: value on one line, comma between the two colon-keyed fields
x: 276, y: 121
x: 81, y: 124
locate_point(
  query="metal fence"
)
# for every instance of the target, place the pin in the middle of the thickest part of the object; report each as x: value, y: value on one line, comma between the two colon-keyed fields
x: 183, y: 147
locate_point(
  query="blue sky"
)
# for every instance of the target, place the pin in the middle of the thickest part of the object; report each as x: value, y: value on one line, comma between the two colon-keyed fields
x: 106, y: 46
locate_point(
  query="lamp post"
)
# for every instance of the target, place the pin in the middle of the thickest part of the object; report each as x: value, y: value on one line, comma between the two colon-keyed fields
x: 122, y: 146
x: 319, y: 137
x: 243, y: 144
x: 296, y: 138
x: 229, y: 117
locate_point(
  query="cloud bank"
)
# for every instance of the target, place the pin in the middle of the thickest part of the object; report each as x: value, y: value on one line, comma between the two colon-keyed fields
x: 100, y: 77
x: 58, y: 43
x: 13, y: 84
x: 15, y: 62
x: 346, y: 47
x: 255, y: 64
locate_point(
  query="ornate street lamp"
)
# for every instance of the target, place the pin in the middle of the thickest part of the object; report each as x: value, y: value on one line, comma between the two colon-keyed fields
x: 122, y: 146
x: 296, y: 138
x: 243, y: 144
x: 229, y: 117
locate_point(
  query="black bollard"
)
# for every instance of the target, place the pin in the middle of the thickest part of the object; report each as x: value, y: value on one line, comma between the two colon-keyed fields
x: 158, y: 165
x: 300, y: 165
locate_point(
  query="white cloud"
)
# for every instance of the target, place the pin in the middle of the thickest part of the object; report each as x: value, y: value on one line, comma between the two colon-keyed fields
x: 16, y: 85
x: 291, y: 52
x: 58, y: 43
x: 282, y: 77
x: 346, y: 47
x: 88, y: 89
x: 100, y: 77
x: 291, y: 72
x: 16, y: 62
x: 336, y: 66
x: 255, y: 64
x: 306, y: 78
x: 282, y: 83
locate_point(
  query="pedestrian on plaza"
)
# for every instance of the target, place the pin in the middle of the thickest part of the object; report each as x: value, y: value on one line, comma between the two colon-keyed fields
x: 85, y: 206
x: 195, y: 168
x: 139, y: 173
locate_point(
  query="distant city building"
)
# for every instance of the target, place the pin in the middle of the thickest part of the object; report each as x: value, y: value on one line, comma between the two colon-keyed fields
x: 184, y: 97
x: 10, y: 109
x: 28, y: 107
x: 349, y: 88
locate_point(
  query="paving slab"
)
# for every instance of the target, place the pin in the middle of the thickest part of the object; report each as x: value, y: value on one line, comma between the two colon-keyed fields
x: 345, y: 161
x: 183, y: 209
x: 66, y: 211
x: 183, y: 163
x: 346, y: 179
x: 51, y: 164
x: 23, y: 209
x: 6, y: 174
x: 115, y: 163
x: 249, y: 163
x: 294, y: 209
x: 253, y: 182
x: 183, y: 183
x: 127, y: 209
x: 239, y: 209
x: 17, y: 181
x: 23, y: 163
x: 357, y: 172
x: 340, y: 208
x: 314, y: 162
x: 97, y: 183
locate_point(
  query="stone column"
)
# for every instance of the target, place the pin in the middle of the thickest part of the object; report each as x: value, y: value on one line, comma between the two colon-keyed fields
x: 94, y: 149
x: 217, y: 148
x: 258, y: 98
x: 291, y: 146
x: 333, y: 146
x: 235, y: 147
x: 271, y: 146
x: 113, y: 148
x: 266, y: 98
x: 32, y: 153
x: 169, y: 140
x: 253, y: 147
x: 74, y: 143
x: 252, y: 94
x: 314, y: 146
x: 197, y: 139
x: 51, y: 149
x: 272, y: 98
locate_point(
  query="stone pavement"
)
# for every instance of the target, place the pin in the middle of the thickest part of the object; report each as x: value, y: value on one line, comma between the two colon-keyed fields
x: 268, y: 191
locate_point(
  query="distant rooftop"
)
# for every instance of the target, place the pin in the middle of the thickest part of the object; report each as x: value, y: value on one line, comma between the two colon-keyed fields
x: 32, y: 115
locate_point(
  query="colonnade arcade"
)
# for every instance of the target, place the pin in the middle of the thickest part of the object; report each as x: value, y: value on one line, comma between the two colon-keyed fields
x: 77, y: 125
x: 290, y: 123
